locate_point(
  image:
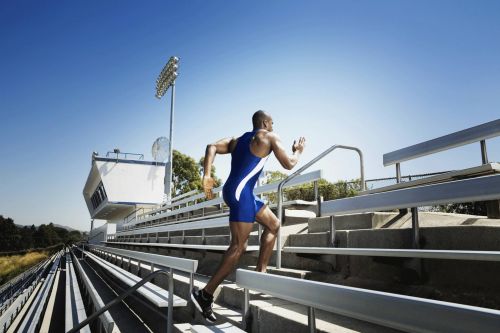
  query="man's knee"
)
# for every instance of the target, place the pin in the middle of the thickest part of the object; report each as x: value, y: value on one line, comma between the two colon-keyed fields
x: 274, y: 227
x: 239, y: 248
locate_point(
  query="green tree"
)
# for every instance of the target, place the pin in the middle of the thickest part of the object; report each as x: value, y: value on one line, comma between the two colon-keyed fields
x: 74, y: 236
x: 9, y: 235
x: 13, y: 238
x: 275, y: 176
x: 27, y: 238
x: 326, y: 189
x: 186, y: 174
x: 470, y: 208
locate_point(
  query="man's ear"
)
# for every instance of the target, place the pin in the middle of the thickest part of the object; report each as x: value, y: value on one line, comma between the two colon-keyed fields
x: 266, y: 122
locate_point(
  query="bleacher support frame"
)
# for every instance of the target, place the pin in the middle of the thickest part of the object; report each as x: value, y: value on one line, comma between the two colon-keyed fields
x: 129, y: 291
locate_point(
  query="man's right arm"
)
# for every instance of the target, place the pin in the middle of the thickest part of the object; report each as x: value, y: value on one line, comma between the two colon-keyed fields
x: 222, y: 146
x: 286, y: 161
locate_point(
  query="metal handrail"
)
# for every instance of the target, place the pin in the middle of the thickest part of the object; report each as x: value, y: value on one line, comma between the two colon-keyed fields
x: 298, y: 172
x: 121, y: 297
x: 140, y: 156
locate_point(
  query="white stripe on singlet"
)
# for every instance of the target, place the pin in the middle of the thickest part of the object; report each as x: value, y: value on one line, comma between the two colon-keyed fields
x: 252, y: 173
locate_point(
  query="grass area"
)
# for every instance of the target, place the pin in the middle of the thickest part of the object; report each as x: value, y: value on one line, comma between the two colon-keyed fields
x: 10, y: 266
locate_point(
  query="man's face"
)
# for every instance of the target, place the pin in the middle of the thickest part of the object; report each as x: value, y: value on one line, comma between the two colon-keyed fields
x: 269, y: 124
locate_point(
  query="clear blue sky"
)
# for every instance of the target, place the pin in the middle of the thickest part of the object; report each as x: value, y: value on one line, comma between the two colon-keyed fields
x: 77, y: 77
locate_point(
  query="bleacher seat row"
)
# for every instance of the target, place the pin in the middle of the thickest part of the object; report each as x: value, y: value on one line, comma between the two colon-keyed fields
x: 478, y: 183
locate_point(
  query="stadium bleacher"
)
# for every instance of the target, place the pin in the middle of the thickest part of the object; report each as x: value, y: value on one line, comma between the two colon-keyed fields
x: 352, y: 264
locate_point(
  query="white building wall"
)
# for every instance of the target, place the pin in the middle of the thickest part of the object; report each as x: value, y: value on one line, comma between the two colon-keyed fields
x: 127, y: 182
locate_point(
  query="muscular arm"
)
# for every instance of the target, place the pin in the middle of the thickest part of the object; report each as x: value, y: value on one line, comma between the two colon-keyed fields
x: 286, y: 161
x: 223, y: 146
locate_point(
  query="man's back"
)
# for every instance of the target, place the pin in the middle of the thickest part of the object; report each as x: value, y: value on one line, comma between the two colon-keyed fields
x: 245, y: 169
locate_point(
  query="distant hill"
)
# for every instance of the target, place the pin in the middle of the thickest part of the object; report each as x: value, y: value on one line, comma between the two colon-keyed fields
x: 19, y: 237
x: 55, y: 225
x: 65, y: 227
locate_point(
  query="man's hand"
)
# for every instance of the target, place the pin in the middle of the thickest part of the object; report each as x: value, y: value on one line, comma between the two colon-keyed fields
x: 299, y: 146
x: 208, y: 184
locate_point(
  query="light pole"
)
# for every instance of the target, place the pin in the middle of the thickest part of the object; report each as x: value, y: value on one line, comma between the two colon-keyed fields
x: 165, y: 80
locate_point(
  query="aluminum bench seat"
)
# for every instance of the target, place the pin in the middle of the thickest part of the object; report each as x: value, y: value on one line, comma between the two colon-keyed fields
x: 151, y: 292
x: 467, y: 190
x: 221, y: 328
x: 477, y: 171
x: 74, y: 307
x: 400, y: 253
x: 34, y: 315
x: 222, y: 221
x: 406, y: 313
x: 106, y: 319
x: 291, y: 203
x: 181, y: 264
x: 250, y: 248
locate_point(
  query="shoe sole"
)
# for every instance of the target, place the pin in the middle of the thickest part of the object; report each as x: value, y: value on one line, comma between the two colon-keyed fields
x: 195, y: 302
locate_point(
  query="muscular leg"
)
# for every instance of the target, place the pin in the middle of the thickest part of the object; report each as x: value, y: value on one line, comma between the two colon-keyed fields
x: 271, y: 225
x: 239, y: 237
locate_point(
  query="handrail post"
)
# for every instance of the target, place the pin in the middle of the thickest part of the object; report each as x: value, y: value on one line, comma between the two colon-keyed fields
x: 317, y: 198
x: 415, y: 227
x: 333, y: 231
x: 170, y: 311
x: 484, y: 153
x: 311, y: 319
x: 398, y: 173
x: 246, y: 308
x: 280, y: 218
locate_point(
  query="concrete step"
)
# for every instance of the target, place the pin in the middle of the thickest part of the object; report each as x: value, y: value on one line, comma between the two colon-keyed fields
x: 394, y: 220
x: 296, y: 216
x: 182, y: 328
x: 220, y: 328
x: 290, y: 272
x: 452, y: 279
x: 352, y: 221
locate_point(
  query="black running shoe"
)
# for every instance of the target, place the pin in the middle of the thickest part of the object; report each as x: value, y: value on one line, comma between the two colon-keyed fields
x: 203, y: 303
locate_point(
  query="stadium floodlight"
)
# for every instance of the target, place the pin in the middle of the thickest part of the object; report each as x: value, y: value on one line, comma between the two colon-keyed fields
x: 165, y: 80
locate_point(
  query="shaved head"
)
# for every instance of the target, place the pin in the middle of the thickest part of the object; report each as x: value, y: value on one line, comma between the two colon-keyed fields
x: 259, y: 117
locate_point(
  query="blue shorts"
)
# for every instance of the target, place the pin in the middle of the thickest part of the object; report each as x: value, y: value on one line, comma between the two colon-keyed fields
x: 243, y: 210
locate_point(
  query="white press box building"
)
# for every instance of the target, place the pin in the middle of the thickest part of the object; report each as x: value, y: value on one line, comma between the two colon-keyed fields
x: 118, y: 186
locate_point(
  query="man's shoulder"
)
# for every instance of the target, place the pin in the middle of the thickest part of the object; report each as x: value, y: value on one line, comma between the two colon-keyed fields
x: 264, y: 134
x: 271, y: 137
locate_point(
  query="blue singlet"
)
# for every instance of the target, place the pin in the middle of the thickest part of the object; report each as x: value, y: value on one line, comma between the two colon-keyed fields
x: 238, y: 189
